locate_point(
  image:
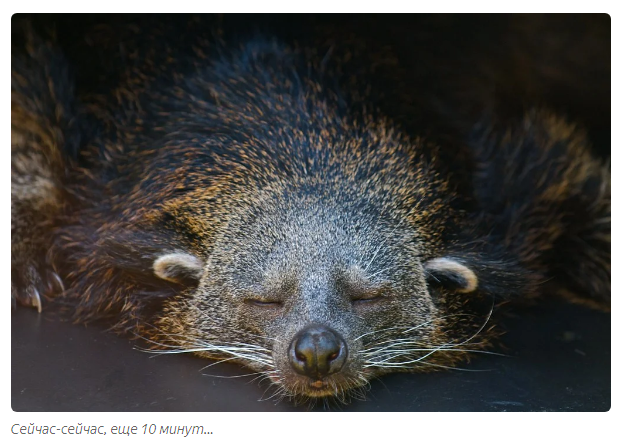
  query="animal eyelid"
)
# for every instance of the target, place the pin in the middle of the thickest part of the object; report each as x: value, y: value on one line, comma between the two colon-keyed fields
x: 269, y: 304
x: 258, y: 300
x: 374, y: 294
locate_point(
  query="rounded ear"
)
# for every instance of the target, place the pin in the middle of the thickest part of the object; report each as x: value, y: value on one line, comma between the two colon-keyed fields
x: 451, y: 273
x: 178, y: 267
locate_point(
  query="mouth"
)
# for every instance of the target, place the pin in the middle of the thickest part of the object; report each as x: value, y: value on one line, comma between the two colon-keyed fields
x: 319, y: 388
x: 309, y: 387
x: 336, y: 385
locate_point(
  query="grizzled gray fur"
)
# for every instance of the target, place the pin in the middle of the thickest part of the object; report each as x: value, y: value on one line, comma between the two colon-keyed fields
x: 291, y: 204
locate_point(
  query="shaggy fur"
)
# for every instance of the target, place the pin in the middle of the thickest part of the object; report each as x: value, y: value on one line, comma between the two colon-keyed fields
x: 216, y: 191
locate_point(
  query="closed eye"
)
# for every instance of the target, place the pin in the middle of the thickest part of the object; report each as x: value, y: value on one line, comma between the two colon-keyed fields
x: 261, y: 302
x: 369, y: 297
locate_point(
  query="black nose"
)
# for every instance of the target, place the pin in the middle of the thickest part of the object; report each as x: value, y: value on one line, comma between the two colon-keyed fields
x: 317, y: 351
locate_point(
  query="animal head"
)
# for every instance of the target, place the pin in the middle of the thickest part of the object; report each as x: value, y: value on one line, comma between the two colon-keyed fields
x: 320, y: 273
x: 273, y: 225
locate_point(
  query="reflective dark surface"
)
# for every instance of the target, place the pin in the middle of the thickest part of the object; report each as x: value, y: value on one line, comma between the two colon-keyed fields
x: 559, y: 359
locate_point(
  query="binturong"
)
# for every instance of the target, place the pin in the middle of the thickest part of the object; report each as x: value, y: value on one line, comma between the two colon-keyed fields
x: 252, y: 204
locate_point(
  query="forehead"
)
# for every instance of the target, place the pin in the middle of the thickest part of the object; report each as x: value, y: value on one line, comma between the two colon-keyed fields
x: 305, y: 235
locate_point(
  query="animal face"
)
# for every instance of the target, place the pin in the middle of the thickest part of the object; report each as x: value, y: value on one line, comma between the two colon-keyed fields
x: 319, y: 284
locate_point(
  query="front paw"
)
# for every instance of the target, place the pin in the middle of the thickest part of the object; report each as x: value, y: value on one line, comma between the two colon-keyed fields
x: 30, y: 285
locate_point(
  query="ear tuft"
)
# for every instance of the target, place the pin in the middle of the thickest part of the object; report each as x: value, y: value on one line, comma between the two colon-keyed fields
x: 449, y: 272
x: 178, y: 267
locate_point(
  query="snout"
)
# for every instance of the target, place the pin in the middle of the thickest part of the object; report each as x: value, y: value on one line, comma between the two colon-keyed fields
x: 317, y: 352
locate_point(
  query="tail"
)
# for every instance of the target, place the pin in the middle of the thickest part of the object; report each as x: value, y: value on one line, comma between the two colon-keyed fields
x: 548, y: 200
x: 44, y: 138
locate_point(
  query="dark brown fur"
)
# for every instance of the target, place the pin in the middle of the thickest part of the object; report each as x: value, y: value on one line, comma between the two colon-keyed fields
x: 215, y: 196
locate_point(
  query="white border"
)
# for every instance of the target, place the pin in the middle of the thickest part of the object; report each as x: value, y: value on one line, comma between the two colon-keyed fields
x: 618, y: 426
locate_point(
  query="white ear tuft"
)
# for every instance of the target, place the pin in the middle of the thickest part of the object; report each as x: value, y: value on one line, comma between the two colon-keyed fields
x: 453, y: 272
x: 178, y: 267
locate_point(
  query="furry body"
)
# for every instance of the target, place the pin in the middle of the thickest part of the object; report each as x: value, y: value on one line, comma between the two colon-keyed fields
x: 219, y: 195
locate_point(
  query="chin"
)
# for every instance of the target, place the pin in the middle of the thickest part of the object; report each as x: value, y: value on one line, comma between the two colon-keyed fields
x: 337, y: 386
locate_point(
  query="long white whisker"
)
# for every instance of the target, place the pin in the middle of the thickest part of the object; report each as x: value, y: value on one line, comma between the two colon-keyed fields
x: 233, y: 377
x: 396, y: 365
x: 374, y: 332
